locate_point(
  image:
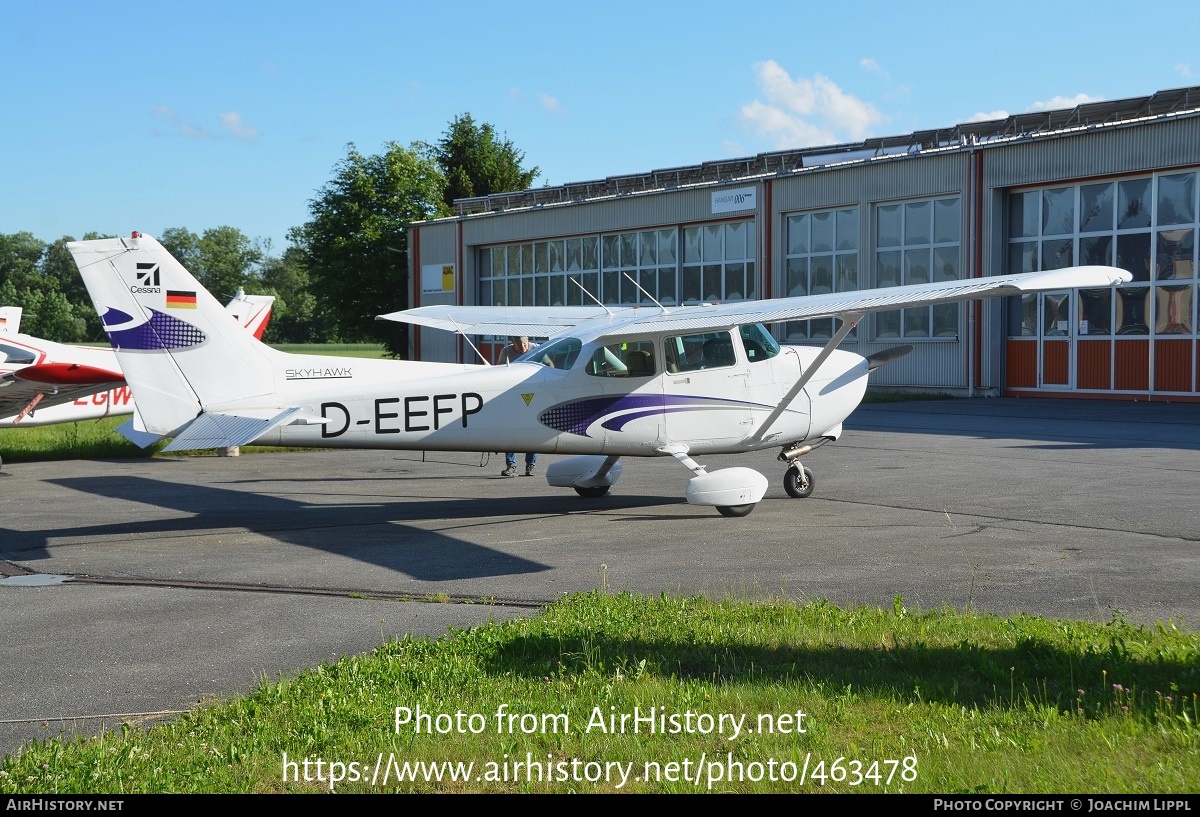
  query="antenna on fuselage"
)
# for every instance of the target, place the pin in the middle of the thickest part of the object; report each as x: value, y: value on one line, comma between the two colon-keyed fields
x: 486, y: 362
x: 647, y: 294
x: 593, y: 297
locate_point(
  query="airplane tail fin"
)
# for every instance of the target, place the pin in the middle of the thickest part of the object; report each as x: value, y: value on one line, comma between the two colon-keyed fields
x: 180, y: 352
x: 10, y: 319
x: 252, y: 311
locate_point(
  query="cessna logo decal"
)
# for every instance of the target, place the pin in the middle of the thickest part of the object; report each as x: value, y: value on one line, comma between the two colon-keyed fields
x: 147, y: 275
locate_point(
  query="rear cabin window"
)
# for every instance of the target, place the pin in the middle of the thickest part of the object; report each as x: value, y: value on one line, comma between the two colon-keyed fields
x: 629, y: 359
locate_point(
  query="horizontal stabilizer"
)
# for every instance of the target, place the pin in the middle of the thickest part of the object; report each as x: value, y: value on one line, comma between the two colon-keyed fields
x: 142, y: 439
x: 217, y: 430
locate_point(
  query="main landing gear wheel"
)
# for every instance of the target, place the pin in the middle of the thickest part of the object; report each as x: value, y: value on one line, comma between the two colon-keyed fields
x: 798, y: 481
x: 735, y: 510
x: 593, y: 492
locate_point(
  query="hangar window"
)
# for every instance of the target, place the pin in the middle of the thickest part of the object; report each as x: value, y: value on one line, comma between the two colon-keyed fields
x: 822, y: 257
x: 650, y: 257
x: 539, y: 273
x: 1147, y: 225
x: 719, y: 262
x: 918, y: 242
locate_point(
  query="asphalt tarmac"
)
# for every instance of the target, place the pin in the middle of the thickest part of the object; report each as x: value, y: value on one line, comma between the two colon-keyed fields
x: 136, y: 589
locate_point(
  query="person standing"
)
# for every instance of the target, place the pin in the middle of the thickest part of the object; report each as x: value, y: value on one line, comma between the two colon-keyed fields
x: 517, y: 346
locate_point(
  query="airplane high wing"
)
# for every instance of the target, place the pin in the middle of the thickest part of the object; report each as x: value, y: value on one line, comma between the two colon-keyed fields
x: 608, y: 384
x: 43, y: 382
x: 544, y: 321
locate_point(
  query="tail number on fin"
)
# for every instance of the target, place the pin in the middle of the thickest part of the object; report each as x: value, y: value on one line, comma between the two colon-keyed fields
x: 419, y: 413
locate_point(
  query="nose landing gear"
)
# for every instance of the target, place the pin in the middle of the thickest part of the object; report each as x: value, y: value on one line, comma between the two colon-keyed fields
x: 798, y: 480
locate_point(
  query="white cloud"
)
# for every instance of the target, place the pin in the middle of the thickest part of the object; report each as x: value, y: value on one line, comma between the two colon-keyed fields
x: 231, y: 123
x: 236, y: 127
x: 1184, y: 70
x: 988, y: 117
x: 872, y: 67
x: 1059, y: 102
x: 550, y: 103
x: 806, y: 112
x: 177, y: 125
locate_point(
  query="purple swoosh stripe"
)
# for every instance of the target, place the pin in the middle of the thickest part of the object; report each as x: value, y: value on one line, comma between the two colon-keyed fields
x: 113, y: 316
x: 162, y: 332
x: 576, y: 416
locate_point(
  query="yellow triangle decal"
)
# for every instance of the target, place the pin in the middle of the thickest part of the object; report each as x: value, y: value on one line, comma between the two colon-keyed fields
x: 527, y: 398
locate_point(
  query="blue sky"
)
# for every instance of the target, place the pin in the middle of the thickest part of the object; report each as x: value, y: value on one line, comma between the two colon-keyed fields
x: 142, y: 116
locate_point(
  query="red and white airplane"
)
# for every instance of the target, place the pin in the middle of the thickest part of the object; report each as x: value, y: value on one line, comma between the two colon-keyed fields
x: 608, y: 384
x: 43, y: 382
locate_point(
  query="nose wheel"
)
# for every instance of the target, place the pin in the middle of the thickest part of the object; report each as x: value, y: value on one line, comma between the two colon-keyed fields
x: 798, y: 481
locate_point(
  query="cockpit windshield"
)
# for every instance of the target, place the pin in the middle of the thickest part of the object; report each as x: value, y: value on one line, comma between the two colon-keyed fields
x: 557, y: 354
x: 758, y: 342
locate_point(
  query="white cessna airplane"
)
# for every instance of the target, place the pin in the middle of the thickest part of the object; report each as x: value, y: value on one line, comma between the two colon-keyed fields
x: 43, y: 382
x: 609, y: 383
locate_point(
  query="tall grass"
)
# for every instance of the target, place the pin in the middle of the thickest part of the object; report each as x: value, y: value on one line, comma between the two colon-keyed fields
x: 823, y: 699
x: 89, y: 439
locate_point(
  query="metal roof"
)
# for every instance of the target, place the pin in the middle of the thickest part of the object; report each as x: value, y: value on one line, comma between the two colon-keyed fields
x: 1042, y: 124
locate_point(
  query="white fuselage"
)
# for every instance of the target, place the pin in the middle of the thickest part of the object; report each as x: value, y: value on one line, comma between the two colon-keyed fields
x: 528, y: 406
x: 23, y: 352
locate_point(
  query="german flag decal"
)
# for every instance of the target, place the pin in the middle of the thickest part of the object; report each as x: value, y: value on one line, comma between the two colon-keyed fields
x: 180, y: 300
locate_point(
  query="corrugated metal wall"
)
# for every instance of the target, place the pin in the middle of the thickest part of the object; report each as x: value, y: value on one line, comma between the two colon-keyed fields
x: 1122, y: 149
x: 436, y: 244
x: 935, y: 363
x: 625, y: 213
x: 1071, y: 157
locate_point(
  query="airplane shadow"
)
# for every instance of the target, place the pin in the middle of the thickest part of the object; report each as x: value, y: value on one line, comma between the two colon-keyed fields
x: 965, y: 675
x: 1042, y: 424
x: 371, y: 532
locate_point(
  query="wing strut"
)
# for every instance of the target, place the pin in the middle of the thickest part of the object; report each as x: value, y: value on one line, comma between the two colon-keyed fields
x: 849, y: 321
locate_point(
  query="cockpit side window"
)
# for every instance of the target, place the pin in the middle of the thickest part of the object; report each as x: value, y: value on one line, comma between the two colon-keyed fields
x: 689, y: 353
x: 15, y: 354
x: 758, y: 343
x: 628, y: 359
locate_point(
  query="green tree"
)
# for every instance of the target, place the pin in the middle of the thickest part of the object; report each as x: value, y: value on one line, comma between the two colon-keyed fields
x: 20, y: 255
x: 355, y: 246
x: 478, y: 163
x: 59, y: 266
x: 25, y: 282
x: 223, y: 259
x: 293, y: 315
x: 184, y: 246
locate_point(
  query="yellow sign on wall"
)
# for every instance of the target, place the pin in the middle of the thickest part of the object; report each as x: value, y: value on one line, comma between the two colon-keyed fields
x: 437, y: 278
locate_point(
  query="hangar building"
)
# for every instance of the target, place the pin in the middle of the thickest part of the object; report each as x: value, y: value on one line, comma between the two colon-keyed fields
x: 1103, y: 183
